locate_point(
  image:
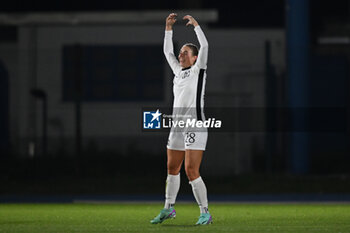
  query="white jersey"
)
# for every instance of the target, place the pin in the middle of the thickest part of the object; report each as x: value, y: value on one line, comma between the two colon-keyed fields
x: 189, y: 83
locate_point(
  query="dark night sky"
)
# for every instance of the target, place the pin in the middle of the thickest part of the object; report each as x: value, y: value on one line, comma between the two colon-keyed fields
x: 237, y: 14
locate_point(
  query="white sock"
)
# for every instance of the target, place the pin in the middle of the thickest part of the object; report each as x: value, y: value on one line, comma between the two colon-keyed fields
x: 171, y: 190
x: 200, y: 193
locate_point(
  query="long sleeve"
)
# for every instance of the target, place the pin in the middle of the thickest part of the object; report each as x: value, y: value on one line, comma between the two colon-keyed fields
x: 168, y: 50
x: 203, y: 51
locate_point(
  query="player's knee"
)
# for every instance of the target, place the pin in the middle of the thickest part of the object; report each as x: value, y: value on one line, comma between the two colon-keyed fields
x: 191, y: 173
x: 173, y: 170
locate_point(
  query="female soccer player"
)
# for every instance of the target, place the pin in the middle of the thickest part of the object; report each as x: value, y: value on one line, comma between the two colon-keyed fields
x: 186, y: 145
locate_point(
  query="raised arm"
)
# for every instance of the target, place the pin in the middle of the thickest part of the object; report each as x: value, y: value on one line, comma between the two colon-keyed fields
x: 203, y: 50
x: 168, y: 48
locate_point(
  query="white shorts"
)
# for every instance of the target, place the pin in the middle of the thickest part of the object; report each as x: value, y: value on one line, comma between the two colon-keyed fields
x: 187, y: 140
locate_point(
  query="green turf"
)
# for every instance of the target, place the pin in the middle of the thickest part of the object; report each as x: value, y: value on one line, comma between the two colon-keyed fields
x: 296, y: 218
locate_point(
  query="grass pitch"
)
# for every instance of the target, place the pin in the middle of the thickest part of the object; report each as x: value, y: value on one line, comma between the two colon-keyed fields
x: 101, y: 218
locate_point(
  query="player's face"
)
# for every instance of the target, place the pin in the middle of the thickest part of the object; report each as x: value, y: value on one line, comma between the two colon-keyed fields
x: 186, y: 58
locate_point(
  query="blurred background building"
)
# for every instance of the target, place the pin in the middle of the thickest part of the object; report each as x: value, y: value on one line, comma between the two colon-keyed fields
x: 75, y: 77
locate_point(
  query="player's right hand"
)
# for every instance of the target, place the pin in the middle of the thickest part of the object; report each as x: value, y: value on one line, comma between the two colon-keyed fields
x: 171, y: 19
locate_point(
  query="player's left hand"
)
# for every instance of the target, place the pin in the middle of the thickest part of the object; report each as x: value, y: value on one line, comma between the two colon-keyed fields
x: 191, y: 20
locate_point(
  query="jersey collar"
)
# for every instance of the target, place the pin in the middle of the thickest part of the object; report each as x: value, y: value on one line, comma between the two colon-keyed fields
x: 187, y: 68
